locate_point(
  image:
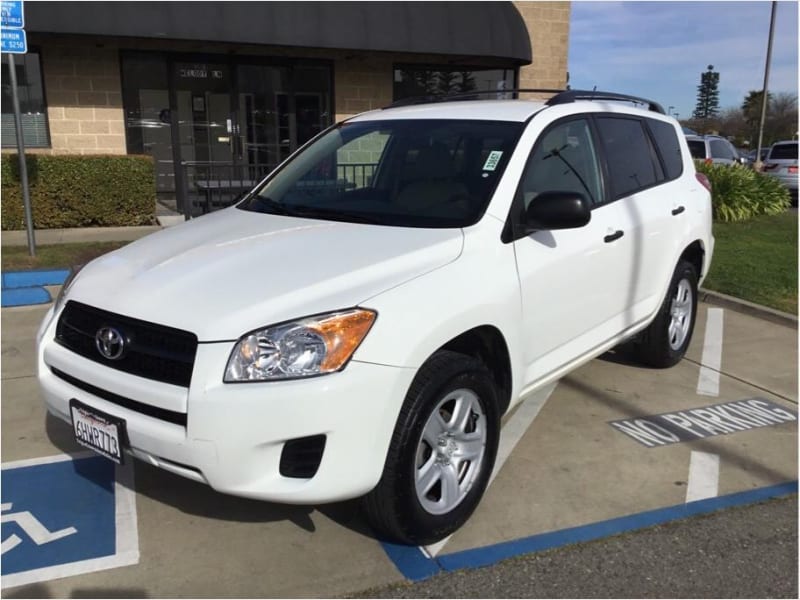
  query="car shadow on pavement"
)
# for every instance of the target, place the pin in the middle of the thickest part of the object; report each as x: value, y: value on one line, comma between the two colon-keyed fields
x: 42, y: 590
x: 198, y: 499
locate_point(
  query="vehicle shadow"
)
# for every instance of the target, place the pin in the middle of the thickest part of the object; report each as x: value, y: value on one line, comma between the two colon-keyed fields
x: 194, y: 498
x: 42, y: 590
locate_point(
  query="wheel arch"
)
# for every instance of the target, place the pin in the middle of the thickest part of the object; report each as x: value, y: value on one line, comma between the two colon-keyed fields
x: 695, y: 254
x: 487, y: 344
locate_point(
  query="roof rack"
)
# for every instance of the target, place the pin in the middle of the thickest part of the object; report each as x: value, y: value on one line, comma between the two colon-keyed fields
x: 573, y: 95
x: 432, y: 98
x: 560, y: 97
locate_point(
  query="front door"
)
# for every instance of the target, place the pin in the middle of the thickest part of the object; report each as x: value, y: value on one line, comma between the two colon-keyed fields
x: 584, y: 268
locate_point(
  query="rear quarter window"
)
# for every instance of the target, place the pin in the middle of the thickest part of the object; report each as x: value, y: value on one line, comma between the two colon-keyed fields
x: 668, y: 146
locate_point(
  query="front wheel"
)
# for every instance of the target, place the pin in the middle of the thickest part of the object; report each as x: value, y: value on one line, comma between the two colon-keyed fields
x: 441, y: 454
x: 664, y: 342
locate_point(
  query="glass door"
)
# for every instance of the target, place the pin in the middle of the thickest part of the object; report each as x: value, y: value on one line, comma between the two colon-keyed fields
x: 264, y: 118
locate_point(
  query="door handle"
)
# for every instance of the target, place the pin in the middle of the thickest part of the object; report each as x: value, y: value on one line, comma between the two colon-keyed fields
x: 677, y: 211
x: 613, y: 236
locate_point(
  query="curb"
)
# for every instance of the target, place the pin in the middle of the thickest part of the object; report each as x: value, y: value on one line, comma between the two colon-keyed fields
x: 748, y: 308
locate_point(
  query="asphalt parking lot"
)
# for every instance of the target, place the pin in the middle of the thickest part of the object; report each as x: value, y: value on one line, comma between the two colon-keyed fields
x: 610, y: 448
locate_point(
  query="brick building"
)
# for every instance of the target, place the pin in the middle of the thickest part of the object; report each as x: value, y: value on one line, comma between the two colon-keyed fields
x: 226, y: 90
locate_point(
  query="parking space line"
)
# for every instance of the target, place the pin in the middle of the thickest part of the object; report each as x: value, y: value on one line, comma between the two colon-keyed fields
x: 711, y: 362
x: 488, y: 555
x: 703, y: 476
x: 512, y: 433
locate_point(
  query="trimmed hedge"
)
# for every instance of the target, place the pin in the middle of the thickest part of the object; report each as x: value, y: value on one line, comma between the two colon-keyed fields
x: 79, y: 191
x: 739, y: 193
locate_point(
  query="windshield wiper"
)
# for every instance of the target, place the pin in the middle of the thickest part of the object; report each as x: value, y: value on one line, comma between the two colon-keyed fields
x: 311, y: 212
x: 270, y: 206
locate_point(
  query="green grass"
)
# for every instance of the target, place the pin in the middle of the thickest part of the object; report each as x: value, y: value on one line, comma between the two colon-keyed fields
x: 54, y: 256
x: 757, y: 261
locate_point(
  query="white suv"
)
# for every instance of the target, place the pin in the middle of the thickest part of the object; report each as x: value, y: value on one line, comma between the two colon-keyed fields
x: 360, y: 322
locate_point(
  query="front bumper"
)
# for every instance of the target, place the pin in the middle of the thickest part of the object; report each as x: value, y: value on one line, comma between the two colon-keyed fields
x: 235, y: 433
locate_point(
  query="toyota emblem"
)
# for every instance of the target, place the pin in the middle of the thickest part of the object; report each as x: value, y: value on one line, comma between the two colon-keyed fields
x: 109, y: 343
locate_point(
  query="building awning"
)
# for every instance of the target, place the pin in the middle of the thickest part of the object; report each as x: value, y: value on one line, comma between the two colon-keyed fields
x: 464, y: 29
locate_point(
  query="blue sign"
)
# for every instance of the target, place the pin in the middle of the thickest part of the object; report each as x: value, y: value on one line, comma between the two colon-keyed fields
x: 62, y: 518
x: 11, y: 14
x: 14, y: 41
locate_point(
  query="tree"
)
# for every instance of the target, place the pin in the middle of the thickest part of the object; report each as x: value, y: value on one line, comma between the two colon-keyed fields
x: 707, y: 95
x: 467, y: 83
x: 781, y: 117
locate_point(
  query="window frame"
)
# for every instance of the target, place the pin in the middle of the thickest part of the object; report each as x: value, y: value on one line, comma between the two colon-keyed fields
x: 514, y: 230
x: 657, y: 148
x: 653, y: 155
x: 46, y: 106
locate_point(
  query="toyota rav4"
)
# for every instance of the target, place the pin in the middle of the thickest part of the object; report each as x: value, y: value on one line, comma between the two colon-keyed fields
x: 359, y: 322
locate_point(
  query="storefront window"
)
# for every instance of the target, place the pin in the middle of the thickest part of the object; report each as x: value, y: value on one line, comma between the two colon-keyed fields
x: 33, y: 109
x: 215, y: 125
x: 414, y: 81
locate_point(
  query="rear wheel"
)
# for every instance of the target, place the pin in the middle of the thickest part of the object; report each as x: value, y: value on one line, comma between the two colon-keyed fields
x: 441, y: 454
x: 666, y: 339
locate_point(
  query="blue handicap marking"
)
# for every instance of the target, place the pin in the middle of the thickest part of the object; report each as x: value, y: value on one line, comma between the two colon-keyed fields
x: 59, y: 518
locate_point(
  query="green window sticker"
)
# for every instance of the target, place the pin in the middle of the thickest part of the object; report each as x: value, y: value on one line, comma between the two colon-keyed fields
x: 492, y: 160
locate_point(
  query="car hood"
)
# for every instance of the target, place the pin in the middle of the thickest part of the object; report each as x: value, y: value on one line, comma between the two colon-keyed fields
x: 228, y: 273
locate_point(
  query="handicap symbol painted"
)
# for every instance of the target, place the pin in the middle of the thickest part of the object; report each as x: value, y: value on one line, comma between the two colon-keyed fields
x: 66, y: 515
x: 31, y: 526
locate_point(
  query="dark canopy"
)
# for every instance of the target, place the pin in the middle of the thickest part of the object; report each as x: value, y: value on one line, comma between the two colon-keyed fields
x: 490, y: 29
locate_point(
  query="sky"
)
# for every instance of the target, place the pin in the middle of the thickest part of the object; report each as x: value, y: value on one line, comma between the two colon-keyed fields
x: 658, y: 50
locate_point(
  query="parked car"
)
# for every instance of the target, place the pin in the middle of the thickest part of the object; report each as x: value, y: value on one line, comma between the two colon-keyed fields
x: 713, y: 149
x: 781, y: 163
x: 318, y: 342
x: 751, y: 156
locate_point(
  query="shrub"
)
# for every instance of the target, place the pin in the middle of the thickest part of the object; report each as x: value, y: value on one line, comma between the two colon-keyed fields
x: 739, y: 193
x: 79, y: 191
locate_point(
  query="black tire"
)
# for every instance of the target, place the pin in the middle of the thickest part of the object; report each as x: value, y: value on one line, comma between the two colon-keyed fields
x: 393, y: 508
x: 655, y: 348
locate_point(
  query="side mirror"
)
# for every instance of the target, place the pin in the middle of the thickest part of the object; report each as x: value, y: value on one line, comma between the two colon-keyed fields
x: 557, y: 210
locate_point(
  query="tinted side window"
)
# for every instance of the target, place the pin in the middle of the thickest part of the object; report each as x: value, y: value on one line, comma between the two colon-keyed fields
x: 667, y: 142
x: 720, y: 149
x: 628, y: 153
x: 564, y: 160
x: 697, y: 148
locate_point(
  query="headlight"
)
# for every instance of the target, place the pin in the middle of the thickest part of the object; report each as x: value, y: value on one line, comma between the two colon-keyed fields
x: 302, y: 348
x: 62, y: 294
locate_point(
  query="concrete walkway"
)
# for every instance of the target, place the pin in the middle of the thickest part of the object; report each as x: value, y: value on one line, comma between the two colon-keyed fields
x: 78, y: 235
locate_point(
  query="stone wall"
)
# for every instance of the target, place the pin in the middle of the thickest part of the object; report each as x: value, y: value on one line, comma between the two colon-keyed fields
x: 548, y: 24
x: 84, y: 100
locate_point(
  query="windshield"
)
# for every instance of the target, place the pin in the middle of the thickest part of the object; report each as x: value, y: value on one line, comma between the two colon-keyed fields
x: 412, y: 173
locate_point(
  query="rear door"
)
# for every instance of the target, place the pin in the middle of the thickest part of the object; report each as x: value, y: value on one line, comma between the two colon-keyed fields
x: 644, y: 183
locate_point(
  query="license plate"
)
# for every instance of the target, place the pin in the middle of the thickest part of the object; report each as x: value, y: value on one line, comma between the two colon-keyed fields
x: 98, y: 431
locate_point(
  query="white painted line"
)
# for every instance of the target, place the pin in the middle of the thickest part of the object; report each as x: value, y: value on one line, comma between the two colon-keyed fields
x: 711, y: 362
x: 127, y: 534
x: 512, y: 433
x: 703, y: 476
x: 46, y: 460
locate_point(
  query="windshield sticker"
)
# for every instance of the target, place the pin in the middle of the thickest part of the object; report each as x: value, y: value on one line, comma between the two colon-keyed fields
x: 491, y: 162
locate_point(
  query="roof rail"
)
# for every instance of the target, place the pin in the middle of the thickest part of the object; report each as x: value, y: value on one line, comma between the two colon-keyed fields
x: 467, y: 96
x: 573, y: 95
